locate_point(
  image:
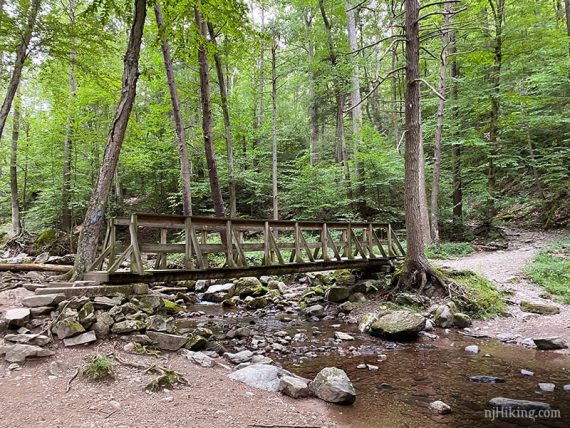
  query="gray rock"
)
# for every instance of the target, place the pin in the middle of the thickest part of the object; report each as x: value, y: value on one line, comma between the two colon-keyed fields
x: 550, y: 343
x: 444, y: 315
x: 86, y: 315
x: 294, y: 387
x: 196, y: 342
x: 31, y: 339
x: 19, y: 352
x: 150, y: 303
x: 486, y: 379
x: 507, y: 337
x: 343, y: 336
x: 538, y: 307
x: 249, y: 286
x: 157, y: 323
x: 510, y: 403
x: 334, y: 386
x: 315, y: 311
x: 40, y: 310
x: 346, y: 307
x: 366, y: 321
x: 102, y: 302
x: 102, y: 326
x: 337, y: 294
x: 439, y: 407
x: 167, y: 342
x: 566, y: 388
x: 41, y: 258
x: 398, y: 324
x: 525, y: 372
x: 261, y: 359
x: 462, y: 320
x: 219, y: 293
x: 260, y: 376
x: 474, y: 349
x: 546, y: 387
x: 43, y: 300
x: 201, y: 285
x: 67, y: 327
x: 57, y: 368
x: 239, y: 357
x: 17, y: 316
x: 257, y: 303
x: 83, y: 338
x: 357, y: 298
x: 128, y: 326
x: 199, y: 358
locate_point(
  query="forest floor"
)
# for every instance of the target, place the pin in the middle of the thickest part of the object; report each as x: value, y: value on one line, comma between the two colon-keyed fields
x: 505, y: 269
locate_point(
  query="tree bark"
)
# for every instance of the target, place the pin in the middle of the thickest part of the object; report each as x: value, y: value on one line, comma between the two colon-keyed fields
x: 424, y: 211
x: 567, y: 12
x: 227, y: 127
x: 456, y: 152
x: 498, y: 7
x: 274, y: 193
x: 94, y: 217
x: 68, y: 144
x: 434, y: 223
x: 21, y: 55
x: 207, y: 117
x: 314, y: 104
x: 185, y: 162
x: 259, y: 111
x: 416, y: 259
x: 16, y: 222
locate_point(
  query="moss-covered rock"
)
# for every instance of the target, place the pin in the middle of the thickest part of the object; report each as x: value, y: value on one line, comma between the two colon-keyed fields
x: 337, y: 294
x: 67, y: 327
x: 257, y: 303
x: 196, y: 342
x: 172, y: 307
x: 249, y: 286
x: 398, y: 324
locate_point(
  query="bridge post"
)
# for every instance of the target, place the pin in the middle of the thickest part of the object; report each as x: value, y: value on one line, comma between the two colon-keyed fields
x: 136, y: 259
x: 229, y: 245
x: 389, y: 238
x: 349, y: 242
x: 298, y: 257
x: 188, y: 264
x: 325, y: 242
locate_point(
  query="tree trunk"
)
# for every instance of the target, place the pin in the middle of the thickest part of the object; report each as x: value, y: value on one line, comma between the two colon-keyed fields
x: 424, y: 211
x: 416, y: 260
x: 185, y: 162
x: 567, y: 12
x: 207, y: 118
x: 355, y: 100
x: 94, y: 217
x: 16, y: 223
x: 227, y: 127
x: 498, y: 7
x: 314, y: 104
x: 21, y: 55
x: 434, y: 223
x: 456, y: 153
x: 274, y: 129
x: 68, y: 144
x: 261, y: 65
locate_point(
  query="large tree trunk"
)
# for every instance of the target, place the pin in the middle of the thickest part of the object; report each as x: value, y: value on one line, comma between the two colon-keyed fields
x: 16, y: 223
x: 68, y: 144
x: 567, y: 11
x: 456, y: 152
x: 498, y: 7
x: 355, y: 100
x: 416, y: 260
x: 227, y: 127
x: 21, y: 55
x: 314, y: 104
x: 274, y: 193
x: 94, y: 217
x: 207, y: 118
x: 185, y: 162
x: 434, y: 223
x: 259, y: 111
x: 424, y: 211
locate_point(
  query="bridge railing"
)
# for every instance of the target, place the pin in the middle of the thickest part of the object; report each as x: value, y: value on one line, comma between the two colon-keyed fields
x: 244, y: 242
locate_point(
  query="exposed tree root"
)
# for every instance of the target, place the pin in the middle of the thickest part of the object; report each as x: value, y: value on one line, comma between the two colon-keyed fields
x: 167, y: 378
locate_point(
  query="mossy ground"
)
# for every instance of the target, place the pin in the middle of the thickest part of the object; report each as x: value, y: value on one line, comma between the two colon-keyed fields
x: 99, y: 367
x: 551, y: 269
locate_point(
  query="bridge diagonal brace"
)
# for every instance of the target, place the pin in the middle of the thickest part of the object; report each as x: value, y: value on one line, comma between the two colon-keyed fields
x: 357, y: 244
x: 121, y: 259
x: 275, y: 247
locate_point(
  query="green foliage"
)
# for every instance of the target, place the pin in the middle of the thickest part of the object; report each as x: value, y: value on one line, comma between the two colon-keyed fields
x: 98, y: 367
x: 551, y: 269
x: 480, y: 298
x: 448, y: 250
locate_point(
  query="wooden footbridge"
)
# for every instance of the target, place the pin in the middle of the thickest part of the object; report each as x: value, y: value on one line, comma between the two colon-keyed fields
x: 213, y: 248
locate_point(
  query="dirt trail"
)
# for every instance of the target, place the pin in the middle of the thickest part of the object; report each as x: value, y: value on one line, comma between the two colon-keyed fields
x: 505, y: 269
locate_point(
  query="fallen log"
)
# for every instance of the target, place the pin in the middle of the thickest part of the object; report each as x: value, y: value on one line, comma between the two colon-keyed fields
x: 20, y: 267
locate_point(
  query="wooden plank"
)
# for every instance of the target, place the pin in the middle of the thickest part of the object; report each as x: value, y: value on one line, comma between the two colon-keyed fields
x: 349, y: 234
x: 266, y: 245
x: 137, y: 266
x: 325, y: 242
x: 298, y: 256
x: 333, y: 246
x: 112, y: 241
x: 306, y: 246
x: 378, y: 243
x: 275, y: 247
x: 122, y: 257
x: 402, y: 251
x: 369, y: 241
x: 97, y: 264
x: 389, y: 239
x: 241, y: 255
x: 357, y: 244
x: 229, y: 245
x: 188, y: 263
x: 27, y: 267
x: 196, y: 245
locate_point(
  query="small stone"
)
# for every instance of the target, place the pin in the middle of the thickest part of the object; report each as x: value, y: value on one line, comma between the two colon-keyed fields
x: 372, y: 368
x: 102, y: 326
x: 346, y: 307
x: 40, y: 310
x: 474, y: 349
x: 462, y: 320
x: 398, y: 324
x: 343, y: 336
x: 83, y: 338
x: 167, y: 342
x: 550, y: 343
x: 239, y: 357
x: 566, y: 388
x: 546, y: 387
x: 440, y: 407
x: 361, y: 366
x: 525, y: 372
x: 486, y: 379
x: 17, y: 317
x: 512, y: 404
x: 294, y: 387
x: 56, y: 368
x: 315, y: 311
x: 199, y: 358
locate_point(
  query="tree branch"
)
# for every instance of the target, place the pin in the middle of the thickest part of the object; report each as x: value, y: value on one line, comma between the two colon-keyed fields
x: 374, y: 88
x: 432, y: 88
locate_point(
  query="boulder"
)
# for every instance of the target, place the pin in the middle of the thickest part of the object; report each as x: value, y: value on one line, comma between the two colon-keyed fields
x: 17, y: 317
x: 294, y: 387
x: 444, y: 315
x: 30, y: 339
x: 103, y: 325
x: 83, y: 338
x: 86, y: 315
x: 128, y: 326
x: 196, y: 342
x: 277, y: 285
x: 257, y: 303
x: 334, y: 386
x: 461, y: 320
x: 150, y: 303
x: 239, y: 357
x: 538, y: 307
x: 503, y: 403
x: 167, y: 342
x: 103, y: 302
x: 439, y: 407
x: 346, y: 307
x: 342, y: 336
x: 315, y: 311
x: 249, y: 286
x: 219, y: 292
x: 67, y: 327
x: 199, y: 358
x: 550, y: 343
x: 172, y: 307
x: 19, y: 352
x: 337, y: 294
x: 43, y: 300
x: 398, y: 324
x: 260, y: 376
x: 40, y: 310
x: 157, y: 323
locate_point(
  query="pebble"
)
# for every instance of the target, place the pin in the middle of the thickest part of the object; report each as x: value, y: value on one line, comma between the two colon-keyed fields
x: 474, y: 349
x: 526, y: 372
x: 546, y: 387
x: 371, y: 367
x: 361, y: 366
x: 440, y: 407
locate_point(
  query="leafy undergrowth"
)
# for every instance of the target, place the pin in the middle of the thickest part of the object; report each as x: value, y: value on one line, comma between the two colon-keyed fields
x: 449, y: 250
x: 551, y: 269
x: 480, y: 298
x: 98, y: 368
